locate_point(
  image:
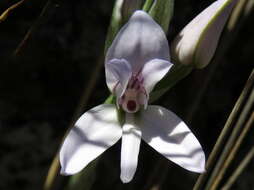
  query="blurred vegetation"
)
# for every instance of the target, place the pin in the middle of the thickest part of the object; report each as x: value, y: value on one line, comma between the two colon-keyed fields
x: 42, y: 83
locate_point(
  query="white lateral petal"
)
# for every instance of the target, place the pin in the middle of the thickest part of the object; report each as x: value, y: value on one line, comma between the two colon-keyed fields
x: 139, y: 40
x: 170, y: 136
x: 197, y: 42
x: 94, y: 132
x: 130, y: 149
x: 153, y: 71
x: 118, y: 74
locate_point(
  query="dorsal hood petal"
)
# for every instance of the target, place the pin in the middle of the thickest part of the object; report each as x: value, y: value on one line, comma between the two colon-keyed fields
x: 140, y: 40
x: 197, y: 42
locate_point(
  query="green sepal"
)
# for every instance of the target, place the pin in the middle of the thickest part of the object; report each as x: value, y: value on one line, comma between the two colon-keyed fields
x: 110, y: 100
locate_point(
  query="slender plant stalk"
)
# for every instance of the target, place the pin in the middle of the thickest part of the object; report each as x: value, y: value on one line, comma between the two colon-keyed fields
x: 31, y: 29
x: 249, y: 8
x: 236, y: 14
x: 157, y: 176
x: 6, y: 13
x: 55, y: 165
x: 52, y: 173
x: 148, y: 4
x: 239, y: 170
x: 115, y: 24
x: 234, y: 150
x: 225, y: 131
x: 233, y: 137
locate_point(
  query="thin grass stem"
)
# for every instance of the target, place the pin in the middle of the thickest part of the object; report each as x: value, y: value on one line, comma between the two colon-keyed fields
x: 32, y: 29
x: 54, y: 168
x: 234, y: 150
x: 239, y: 170
x: 234, y: 135
x: 147, y: 5
x: 224, y: 133
x: 6, y: 13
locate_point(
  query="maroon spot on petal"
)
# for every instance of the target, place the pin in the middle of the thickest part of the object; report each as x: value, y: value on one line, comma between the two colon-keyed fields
x: 131, y: 105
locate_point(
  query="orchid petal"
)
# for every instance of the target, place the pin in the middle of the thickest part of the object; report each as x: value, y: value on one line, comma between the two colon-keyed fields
x: 94, y: 132
x: 130, y: 149
x: 118, y: 74
x: 197, y: 42
x: 139, y: 41
x: 153, y: 72
x: 169, y: 135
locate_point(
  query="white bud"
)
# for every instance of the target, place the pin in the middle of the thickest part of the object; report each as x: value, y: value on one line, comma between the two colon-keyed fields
x: 197, y: 42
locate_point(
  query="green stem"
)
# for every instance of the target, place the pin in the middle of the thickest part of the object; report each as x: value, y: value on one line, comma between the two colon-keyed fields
x: 115, y: 24
x: 32, y: 29
x: 224, y: 134
x: 234, y: 135
x: 54, y: 167
x: 147, y: 6
x: 239, y: 170
x: 234, y: 151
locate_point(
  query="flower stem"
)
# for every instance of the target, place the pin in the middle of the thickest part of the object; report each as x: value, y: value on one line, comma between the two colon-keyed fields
x: 239, y: 170
x: 32, y: 28
x: 234, y: 150
x: 147, y: 5
x: 6, y: 13
x: 52, y: 173
x: 225, y: 132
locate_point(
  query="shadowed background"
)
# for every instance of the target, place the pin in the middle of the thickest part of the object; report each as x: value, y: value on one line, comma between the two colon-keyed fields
x: 42, y: 83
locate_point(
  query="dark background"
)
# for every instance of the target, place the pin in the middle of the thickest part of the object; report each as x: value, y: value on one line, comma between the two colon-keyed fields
x: 42, y: 83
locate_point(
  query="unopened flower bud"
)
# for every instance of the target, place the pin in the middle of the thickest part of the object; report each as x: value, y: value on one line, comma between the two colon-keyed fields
x: 197, y: 42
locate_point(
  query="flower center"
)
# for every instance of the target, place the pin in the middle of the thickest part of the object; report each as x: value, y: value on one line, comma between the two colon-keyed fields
x: 131, y: 105
x: 134, y: 95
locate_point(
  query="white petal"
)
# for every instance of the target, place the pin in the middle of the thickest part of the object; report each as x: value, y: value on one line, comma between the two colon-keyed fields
x: 118, y: 74
x: 153, y: 71
x: 94, y: 132
x: 130, y: 149
x: 170, y: 136
x: 197, y: 42
x: 139, y: 41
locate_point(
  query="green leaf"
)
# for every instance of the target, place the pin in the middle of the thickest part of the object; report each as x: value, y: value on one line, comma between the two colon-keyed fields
x: 115, y: 24
x: 161, y: 11
x: 129, y: 7
x: 147, y: 6
x: 122, y: 10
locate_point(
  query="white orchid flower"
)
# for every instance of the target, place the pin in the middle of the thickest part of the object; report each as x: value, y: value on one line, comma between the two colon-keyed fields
x: 137, y: 59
